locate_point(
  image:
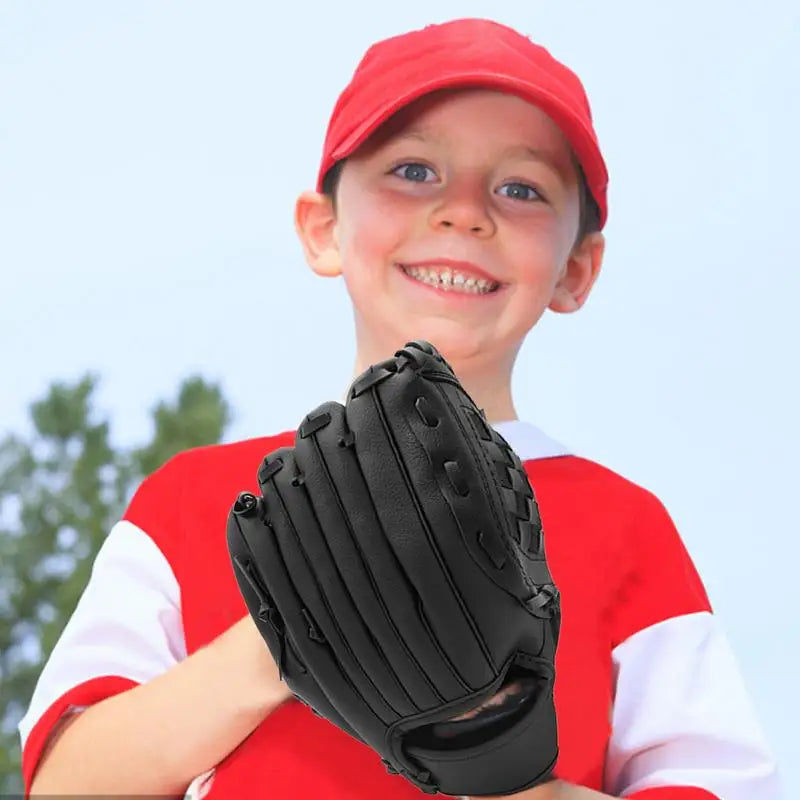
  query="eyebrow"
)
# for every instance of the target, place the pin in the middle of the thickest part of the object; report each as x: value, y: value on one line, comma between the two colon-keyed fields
x: 412, y: 133
x: 515, y: 151
x: 531, y: 154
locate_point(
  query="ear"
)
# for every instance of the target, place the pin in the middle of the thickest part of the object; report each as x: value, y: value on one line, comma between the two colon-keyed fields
x: 315, y: 223
x: 579, y: 274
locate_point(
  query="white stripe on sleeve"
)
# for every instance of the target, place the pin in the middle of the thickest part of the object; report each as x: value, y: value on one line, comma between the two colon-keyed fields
x: 127, y: 622
x: 682, y: 715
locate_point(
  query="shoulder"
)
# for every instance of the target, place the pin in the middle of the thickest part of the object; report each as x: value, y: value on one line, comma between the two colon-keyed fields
x: 606, y: 489
x: 210, y: 466
x: 195, y: 462
x: 599, y: 522
x: 555, y: 467
x: 194, y: 487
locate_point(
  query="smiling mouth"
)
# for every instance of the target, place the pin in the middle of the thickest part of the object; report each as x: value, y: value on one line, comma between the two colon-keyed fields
x: 450, y: 280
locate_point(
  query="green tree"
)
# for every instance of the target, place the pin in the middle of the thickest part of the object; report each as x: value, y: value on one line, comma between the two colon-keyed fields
x: 61, y: 490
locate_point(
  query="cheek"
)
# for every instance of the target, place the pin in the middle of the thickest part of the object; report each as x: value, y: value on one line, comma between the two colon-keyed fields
x: 537, y: 253
x: 372, y: 231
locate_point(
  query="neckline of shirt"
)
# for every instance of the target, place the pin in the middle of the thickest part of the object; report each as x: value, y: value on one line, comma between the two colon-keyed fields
x: 528, y: 441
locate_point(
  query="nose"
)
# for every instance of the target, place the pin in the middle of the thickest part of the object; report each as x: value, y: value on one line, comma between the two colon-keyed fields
x: 464, y: 209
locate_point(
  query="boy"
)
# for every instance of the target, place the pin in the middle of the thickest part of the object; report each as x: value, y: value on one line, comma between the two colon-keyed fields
x: 461, y: 193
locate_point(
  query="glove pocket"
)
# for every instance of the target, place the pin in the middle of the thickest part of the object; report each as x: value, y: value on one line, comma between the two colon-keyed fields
x: 502, y: 750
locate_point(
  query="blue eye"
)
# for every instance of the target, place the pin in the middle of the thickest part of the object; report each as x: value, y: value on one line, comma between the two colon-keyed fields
x: 413, y: 172
x: 520, y: 191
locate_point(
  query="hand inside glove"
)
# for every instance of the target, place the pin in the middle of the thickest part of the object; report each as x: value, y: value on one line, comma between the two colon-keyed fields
x: 394, y: 564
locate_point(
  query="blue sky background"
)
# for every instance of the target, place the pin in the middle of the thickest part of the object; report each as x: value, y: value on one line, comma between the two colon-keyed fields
x: 150, y: 155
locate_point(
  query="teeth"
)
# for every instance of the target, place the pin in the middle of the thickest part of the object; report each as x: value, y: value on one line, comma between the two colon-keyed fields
x: 449, y: 280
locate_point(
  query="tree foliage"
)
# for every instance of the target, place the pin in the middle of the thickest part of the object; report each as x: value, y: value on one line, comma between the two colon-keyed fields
x: 61, y: 490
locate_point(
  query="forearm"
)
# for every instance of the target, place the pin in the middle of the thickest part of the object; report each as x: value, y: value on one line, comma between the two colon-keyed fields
x: 155, y: 738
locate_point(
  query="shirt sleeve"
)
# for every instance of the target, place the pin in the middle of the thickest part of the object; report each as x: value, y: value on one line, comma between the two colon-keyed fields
x: 127, y: 626
x: 683, y: 725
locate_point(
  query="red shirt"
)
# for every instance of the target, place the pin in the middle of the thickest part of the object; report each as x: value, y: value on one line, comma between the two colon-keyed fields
x: 638, y: 659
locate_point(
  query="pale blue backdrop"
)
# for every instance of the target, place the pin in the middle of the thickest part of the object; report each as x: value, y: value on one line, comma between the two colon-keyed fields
x: 150, y: 154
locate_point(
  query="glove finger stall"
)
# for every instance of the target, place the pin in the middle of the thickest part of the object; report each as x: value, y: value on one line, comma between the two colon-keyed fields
x: 309, y: 666
x: 329, y: 616
x: 409, y: 525
x: 366, y: 562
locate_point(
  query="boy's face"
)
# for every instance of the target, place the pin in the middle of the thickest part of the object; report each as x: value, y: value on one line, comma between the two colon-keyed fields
x: 455, y: 223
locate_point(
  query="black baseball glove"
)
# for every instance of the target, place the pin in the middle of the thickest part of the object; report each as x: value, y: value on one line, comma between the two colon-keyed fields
x: 395, y: 566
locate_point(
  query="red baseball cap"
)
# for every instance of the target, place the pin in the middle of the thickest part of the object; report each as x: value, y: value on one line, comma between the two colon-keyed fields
x: 463, y: 53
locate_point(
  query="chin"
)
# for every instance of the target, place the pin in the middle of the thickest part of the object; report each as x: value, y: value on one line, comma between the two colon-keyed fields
x: 456, y: 344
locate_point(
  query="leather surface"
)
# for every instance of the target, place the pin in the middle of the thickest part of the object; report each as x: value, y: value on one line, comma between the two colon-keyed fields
x: 395, y: 566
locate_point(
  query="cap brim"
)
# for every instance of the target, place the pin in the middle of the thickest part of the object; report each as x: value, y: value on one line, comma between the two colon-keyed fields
x: 580, y: 138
